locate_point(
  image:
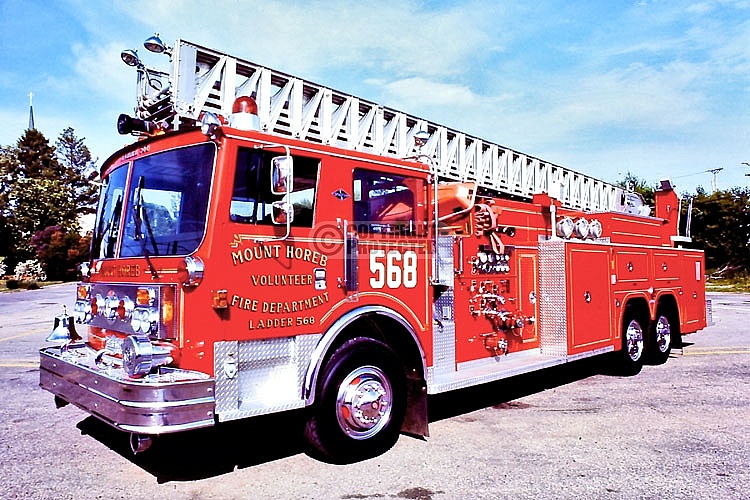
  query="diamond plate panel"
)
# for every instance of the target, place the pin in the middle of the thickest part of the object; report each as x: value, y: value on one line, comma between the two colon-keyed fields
x: 445, y: 266
x: 270, y: 375
x: 444, y: 334
x: 553, y: 320
x: 227, y: 388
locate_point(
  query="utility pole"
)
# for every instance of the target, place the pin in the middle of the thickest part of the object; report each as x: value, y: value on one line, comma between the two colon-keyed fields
x: 714, y: 171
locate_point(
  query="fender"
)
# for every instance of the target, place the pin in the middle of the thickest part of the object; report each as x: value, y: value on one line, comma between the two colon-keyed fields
x: 316, y: 360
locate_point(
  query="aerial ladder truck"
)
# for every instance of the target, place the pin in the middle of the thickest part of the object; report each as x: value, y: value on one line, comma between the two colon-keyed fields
x: 269, y: 244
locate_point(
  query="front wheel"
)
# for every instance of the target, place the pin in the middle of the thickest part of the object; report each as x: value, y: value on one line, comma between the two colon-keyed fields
x: 360, y: 403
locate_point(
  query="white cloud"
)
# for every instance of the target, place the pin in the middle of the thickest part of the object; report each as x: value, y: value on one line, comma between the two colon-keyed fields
x: 102, y: 72
x: 396, y: 37
x: 420, y: 93
x: 637, y: 96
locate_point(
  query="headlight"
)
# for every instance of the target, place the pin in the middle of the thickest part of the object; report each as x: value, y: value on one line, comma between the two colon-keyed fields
x: 111, y: 304
x: 145, y: 320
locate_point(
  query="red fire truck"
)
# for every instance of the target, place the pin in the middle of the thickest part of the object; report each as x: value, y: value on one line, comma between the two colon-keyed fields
x: 270, y: 244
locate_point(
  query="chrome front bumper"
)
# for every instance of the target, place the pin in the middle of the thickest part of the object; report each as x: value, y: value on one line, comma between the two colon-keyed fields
x: 170, y: 400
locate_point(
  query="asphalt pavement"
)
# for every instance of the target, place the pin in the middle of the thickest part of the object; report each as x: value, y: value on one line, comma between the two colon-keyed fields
x: 678, y: 430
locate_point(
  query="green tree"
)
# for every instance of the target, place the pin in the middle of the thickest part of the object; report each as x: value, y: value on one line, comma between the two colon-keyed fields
x: 35, y: 158
x: 61, y: 251
x: 721, y: 226
x: 78, y: 169
x: 42, y: 186
x: 7, y: 165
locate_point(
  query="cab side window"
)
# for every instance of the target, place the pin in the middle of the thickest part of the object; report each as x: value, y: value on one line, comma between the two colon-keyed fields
x: 252, y: 199
x: 385, y: 203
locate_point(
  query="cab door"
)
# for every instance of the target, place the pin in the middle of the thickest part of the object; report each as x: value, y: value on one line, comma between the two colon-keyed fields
x: 392, y: 249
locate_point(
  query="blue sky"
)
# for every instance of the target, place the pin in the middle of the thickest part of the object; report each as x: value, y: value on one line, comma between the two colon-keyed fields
x: 656, y: 88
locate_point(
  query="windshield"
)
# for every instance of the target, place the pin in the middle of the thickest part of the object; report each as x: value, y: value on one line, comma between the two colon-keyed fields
x: 166, y: 207
x: 108, y: 214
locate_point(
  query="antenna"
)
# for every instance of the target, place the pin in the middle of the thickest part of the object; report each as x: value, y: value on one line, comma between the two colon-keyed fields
x: 714, y: 171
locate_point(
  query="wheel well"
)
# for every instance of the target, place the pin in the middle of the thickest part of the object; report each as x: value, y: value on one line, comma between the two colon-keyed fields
x: 668, y: 305
x: 389, y: 331
x: 637, y: 307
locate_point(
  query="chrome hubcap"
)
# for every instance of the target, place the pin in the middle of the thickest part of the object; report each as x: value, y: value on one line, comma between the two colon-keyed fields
x: 634, y: 340
x: 363, y: 402
x: 663, y: 334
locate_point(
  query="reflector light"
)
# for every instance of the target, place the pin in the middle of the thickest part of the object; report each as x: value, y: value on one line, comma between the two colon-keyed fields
x: 220, y: 300
x: 97, y: 305
x: 82, y: 292
x: 145, y: 296
x: 164, y: 317
x: 125, y: 309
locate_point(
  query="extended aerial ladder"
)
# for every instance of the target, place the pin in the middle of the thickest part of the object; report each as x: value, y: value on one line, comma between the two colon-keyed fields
x: 207, y: 80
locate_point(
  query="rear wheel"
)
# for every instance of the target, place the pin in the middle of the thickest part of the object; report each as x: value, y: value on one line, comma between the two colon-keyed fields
x: 660, y: 339
x: 630, y: 358
x: 360, y: 403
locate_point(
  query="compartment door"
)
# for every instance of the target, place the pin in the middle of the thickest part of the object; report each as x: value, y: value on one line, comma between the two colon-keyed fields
x: 589, y: 299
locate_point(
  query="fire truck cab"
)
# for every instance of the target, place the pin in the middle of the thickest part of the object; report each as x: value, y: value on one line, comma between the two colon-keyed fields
x: 269, y: 244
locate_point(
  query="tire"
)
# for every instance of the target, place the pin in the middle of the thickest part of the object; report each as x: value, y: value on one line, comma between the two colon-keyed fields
x: 661, y: 336
x: 630, y: 358
x: 359, y: 405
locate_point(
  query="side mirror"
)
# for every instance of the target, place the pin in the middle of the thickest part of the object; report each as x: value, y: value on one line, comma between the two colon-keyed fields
x: 282, y: 212
x: 282, y: 175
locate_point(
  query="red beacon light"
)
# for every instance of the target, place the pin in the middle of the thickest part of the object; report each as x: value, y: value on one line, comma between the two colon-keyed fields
x: 244, y: 114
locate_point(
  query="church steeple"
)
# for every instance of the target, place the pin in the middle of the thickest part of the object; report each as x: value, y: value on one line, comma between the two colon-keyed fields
x: 31, y: 112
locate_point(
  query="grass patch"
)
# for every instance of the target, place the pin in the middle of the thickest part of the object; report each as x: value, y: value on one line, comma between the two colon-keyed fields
x: 738, y: 283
